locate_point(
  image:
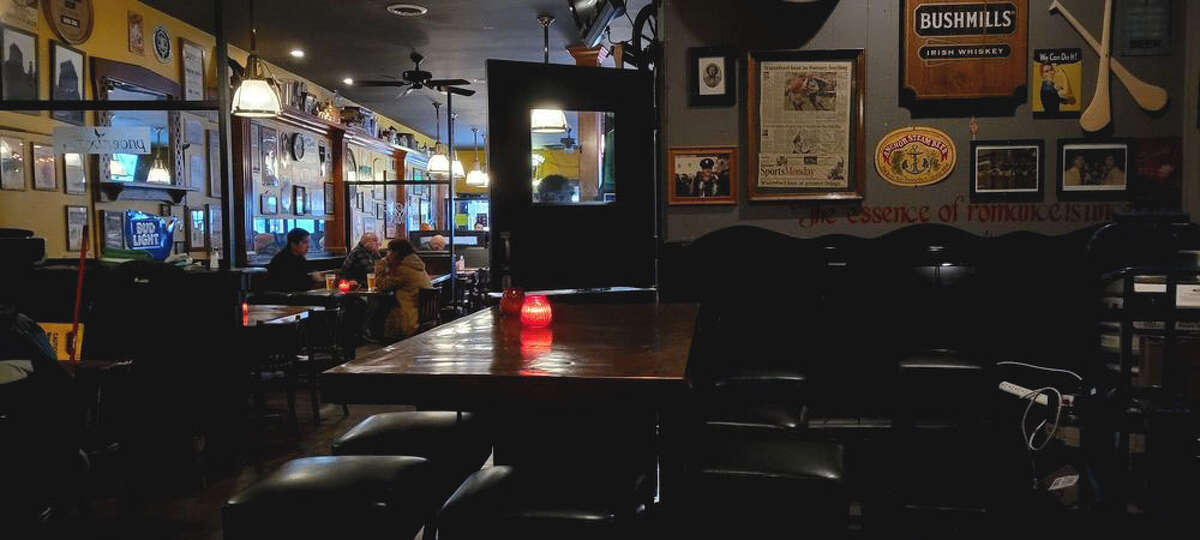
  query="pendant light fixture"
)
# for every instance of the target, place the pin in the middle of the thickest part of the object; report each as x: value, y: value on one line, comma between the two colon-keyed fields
x: 476, y: 177
x: 439, y: 164
x: 255, y: 97
x: 158, y: 172
x: 547, y: 120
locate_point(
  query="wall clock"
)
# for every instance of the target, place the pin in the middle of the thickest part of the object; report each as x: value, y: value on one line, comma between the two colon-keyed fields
x: 72, y: 20
x: 298, y: 143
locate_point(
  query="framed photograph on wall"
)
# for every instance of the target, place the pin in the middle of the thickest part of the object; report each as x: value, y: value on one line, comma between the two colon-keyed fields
x: 197, y: 224
x: 380, y: 210
x: 269, y: 204
x: 66, y: 80
x: 1093, y: 169
x: 74, y: 174
x: 45, y: 168
x: 1007, y: 170
x: 76, y: 221
x: 804, y: 122
x: 19, y: 55
x: 299, y: 200
x: 214, y: 158
x: 329, y: 210
x: 215, y: 226
x: 197, y: 170
x: 114, y: 229
x: 712, y: 77
x: 137, y: 34
x: 12, y: 164
x: 191, y: 61
x: 702, y: 175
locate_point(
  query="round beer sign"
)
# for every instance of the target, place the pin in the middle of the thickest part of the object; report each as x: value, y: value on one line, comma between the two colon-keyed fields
x: 915, y: 156
x: 72, y: 20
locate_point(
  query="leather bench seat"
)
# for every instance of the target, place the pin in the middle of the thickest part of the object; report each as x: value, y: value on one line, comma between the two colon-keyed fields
x: 345, y: 497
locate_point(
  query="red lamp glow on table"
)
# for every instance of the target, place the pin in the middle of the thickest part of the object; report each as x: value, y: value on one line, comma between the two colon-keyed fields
x: 344, y: 286
x: 536, y: 312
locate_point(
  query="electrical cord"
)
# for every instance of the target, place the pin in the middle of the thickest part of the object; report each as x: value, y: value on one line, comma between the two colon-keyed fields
x: 1043, y: 368
x: 1028, y: 437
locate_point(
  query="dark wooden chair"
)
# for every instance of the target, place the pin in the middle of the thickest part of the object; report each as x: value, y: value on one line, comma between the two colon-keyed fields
x: 429, y: 303
x: 324, y: 349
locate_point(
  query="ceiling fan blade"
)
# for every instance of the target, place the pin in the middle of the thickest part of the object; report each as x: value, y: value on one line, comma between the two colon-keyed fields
x: 457, y: 91
x: 448, y: 82
x: 388, y: 84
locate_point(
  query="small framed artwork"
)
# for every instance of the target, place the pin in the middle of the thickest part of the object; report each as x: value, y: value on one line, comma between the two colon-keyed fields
x: 191, y: 59
x: 45, y: 169
x: 178, y: 217
x: 114, y: 229
x: 1093, y: 169
x: 299, y: 200
x: 197, y: 170
x: 361, y: 202
x: 12, y: 164
x: 269, y: 204
x: 215, y: 226
x: 76, y: 221
x: 1008, y: 170
x: 712, y: 77
x: 66, y: 80
x: 74, y: 174
x: 214, y: 158
x: 702, y: 175
x: 197, y: 224
x: 19, y: 80
x: 137, y: 34
x: 380, y: 211
x: 329, y: 210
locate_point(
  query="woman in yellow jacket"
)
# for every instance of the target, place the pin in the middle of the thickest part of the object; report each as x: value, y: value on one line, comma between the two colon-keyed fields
x: 402, y: 271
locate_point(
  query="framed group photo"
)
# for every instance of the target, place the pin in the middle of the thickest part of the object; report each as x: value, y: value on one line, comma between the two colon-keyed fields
x: 1008, y: 170
x: 701, y: 175
x: 804, y: 124
x: 712, y: 77
x: 1093, y: 169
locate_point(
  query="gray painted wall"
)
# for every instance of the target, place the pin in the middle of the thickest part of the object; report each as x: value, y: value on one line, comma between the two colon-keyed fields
x: 873, y: 25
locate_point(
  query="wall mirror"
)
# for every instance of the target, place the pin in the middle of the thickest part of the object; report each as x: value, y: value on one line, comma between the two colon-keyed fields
x: 572, y: 157
x: 157, y: 167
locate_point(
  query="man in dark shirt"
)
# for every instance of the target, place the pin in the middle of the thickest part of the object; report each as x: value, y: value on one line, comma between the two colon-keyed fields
x: 287, y: 271
x: 361, y: 260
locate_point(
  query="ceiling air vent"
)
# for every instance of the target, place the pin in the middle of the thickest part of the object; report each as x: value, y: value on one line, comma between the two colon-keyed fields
x: 407, y: 10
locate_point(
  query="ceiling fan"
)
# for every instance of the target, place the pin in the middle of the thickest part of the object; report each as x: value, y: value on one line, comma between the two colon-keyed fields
x: 416, y: 79
x: 566, y: 144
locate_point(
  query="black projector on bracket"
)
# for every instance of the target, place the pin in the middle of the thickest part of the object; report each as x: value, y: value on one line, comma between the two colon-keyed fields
x: 593, y: 16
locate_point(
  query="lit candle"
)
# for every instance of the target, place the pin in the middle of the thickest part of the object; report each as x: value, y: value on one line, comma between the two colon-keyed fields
x: 536, y: 312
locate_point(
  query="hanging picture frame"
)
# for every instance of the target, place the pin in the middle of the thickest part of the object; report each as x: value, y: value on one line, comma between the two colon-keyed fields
x: 74, y: 174
x: 1093, y: 169
x: 299, y: 200
x: 19, y: 48
x: 114, y: 229
x: 712, y: 77
x: 191, y: 66
x: 214, y: 164
x: 197, y: 225
x: 12, y: 164
x: 1008, y: 170
x: 269, y: 204
x: 45, y: 168
x: 76, y: 221
x: 137, y: 34
x: 702, y: 175
x: 215, y: 226
x: 66, y: 80
x: 804, y: 124
x: 329, y: 196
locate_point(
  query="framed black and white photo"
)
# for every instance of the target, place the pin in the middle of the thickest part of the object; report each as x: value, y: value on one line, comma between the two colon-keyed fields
x: 12, y: 164
x: 1093, y: 169
x: 299, y: 200
x: 66, y: 80
x: 45, y: 169
x: 191, y: 59
x: 76, y: 221
x: 329, y: 210
x: 19, y: 69
x: 712, y: 77
x: 74, y: 175
x: 1007, y: 170
x: 114, y: 229
x: 197, y: 224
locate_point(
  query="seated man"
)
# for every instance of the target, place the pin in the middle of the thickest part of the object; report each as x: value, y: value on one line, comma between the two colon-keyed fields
x: 288, y: 270
x: 361, y: 260
x: 437, y: 243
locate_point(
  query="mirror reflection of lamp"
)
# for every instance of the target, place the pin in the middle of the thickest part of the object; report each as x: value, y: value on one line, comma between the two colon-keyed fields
x: 158, y: 172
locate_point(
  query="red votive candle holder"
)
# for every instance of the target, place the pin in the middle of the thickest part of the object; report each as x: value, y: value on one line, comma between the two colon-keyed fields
x: 536, y: 312
x: 344, y: 286
x: 511, y: 302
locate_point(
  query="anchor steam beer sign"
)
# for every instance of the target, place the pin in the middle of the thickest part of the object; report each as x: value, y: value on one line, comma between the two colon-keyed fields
x: 956, y: 50
x: 915, y: 156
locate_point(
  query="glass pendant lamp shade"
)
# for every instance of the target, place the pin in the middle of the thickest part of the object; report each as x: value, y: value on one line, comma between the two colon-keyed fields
x: 158, y: 173
x: 459, y: 172
x: 477, y: 178
x: 254, y: 97
x: 547, y: 121
x: 439, y: 164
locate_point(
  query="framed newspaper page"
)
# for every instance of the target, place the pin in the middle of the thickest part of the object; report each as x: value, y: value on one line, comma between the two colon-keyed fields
x: 804, y: 123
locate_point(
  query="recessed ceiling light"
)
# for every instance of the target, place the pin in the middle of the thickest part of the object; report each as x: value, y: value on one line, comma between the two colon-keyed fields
x: 297, y: 53
x: 407, y: 10
x: 347, y: 81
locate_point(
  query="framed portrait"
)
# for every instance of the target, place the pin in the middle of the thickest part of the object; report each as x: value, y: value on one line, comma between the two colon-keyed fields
x: 12, y: 164
x: 76, y: 221
x: 45, y: 168
x: 329, y: 210
x: 74, y: 174
x: 269, y: 204
x: 191, y: 60
x: 66, y: 80
x: 137, y: 34
x: 19, y: 78
x: 804, y: 123
x: 1093, y: 169
x: 1007, y: 170
x: 114, y: 229
x: 702, y: 175
x: 712, y: 77
x: 197, y: 224
x: 215, y: 226
x: 299, y: 200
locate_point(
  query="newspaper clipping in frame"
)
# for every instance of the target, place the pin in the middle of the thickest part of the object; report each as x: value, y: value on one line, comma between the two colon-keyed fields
x: 804, y: 137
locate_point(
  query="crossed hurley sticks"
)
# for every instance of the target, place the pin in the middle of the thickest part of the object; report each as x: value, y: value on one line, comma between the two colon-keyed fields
x: 1099, y: 114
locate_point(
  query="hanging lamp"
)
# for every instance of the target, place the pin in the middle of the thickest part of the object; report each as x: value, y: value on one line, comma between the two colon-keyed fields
x: 158, y: 172
x: 255, y: 97
x: 476, y: 177
x: 439, y: 164
x: 547, y: 120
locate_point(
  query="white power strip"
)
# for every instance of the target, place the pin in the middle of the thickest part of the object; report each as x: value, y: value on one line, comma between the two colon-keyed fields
x: 1023, y: 393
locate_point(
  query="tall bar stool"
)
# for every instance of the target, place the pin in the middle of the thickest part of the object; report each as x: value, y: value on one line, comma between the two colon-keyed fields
x: 344, y: 497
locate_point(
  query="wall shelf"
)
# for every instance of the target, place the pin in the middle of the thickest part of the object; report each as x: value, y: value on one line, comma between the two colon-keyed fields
x: 143, y: 191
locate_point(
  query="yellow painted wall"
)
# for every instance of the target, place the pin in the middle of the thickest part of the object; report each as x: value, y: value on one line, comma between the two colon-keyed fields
x: 44, y: 212
x: 557, y: 162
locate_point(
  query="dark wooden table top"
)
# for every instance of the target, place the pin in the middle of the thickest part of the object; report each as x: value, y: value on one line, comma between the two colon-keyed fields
x: 272, y: 314
x: 619, y: 354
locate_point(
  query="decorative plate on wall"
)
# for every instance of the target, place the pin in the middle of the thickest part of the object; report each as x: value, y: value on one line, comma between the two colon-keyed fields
x: 72, y: 20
